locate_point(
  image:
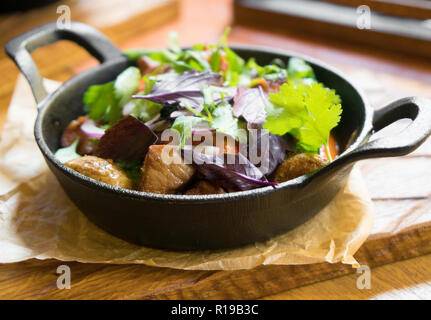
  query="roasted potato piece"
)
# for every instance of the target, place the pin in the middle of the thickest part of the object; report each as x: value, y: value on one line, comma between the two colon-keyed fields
x: 297, y: 165
x: 102, y: 170
x: 204, y: 187
x: 164, y: 170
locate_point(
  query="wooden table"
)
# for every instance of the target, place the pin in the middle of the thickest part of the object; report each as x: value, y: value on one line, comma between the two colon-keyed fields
x: 200, y: 21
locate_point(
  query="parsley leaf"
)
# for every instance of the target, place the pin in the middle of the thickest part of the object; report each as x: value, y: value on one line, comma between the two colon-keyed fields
x: 308, y: 112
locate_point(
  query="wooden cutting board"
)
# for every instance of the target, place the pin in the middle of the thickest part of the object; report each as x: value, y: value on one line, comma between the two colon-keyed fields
x: 400, y: 187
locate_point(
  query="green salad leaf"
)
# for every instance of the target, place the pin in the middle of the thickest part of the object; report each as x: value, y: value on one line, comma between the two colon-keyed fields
x: 308, y: 112
x: 145, y: 110
x: 132, y: 168
x: 184, y: 126
x: 99, y: 100
x: 68, y: 153
x: 299, y: 71
x: 135, y: 54
x: 106, y: 101
x: 174, y: 44
x: 235, y: 69
x: 225, y: 122
x: 215, y: 60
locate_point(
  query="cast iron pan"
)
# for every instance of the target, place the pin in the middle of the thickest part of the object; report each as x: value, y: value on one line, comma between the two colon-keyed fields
x: 182, y: 222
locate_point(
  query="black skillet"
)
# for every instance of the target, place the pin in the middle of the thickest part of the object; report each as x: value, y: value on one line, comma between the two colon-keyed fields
x: 212, y: 221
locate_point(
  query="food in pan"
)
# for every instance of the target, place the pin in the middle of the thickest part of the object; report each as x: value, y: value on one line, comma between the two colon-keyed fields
x: 203, y: 121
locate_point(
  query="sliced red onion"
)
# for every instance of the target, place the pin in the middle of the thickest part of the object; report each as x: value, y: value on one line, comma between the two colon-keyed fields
x: 91, y: 130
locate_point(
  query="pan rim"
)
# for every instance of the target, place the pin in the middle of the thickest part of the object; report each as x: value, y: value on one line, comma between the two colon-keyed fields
x: 299, y: 182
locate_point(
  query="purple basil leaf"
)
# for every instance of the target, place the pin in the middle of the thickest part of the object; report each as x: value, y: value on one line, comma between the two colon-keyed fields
x: 265, y: 150
x: 184, y: 89
x: 127, y: 140
x: 250, y: 104
x: 233, y: 170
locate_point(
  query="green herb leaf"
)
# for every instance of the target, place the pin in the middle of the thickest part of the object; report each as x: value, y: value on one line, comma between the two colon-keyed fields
x: 215, y: 60
x: 145, y: 110
x: 134, y: 54
x: 163, y: 56
x: 223, y: 39
x: 308, y: 112
x: 106, y: 101
x: 198, y: 47
x: 201, y: 64
x: 235, y: 69
x: 132, y: 169
x: 299, y: 71
x: 225, y: 122
x: 184, y: 125
x: 174, y: 45
x: 68, y: 153
x: 209, y: 104
x: 126, y: 84
x: 99, y: 99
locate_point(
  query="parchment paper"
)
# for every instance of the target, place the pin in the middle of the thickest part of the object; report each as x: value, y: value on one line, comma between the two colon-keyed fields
x: 37, y: 220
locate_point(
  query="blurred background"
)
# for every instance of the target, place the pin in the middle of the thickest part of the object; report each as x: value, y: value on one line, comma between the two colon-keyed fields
x: 391, y: 37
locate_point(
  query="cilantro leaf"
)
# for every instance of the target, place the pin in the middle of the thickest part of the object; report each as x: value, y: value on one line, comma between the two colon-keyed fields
x: 308, y: 112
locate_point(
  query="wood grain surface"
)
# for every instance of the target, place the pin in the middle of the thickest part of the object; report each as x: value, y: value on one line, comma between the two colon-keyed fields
x: 399, y: 187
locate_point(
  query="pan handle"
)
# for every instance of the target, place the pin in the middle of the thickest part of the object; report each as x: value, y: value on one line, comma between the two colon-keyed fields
x: 20, y: 47
x: 416, y: 108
